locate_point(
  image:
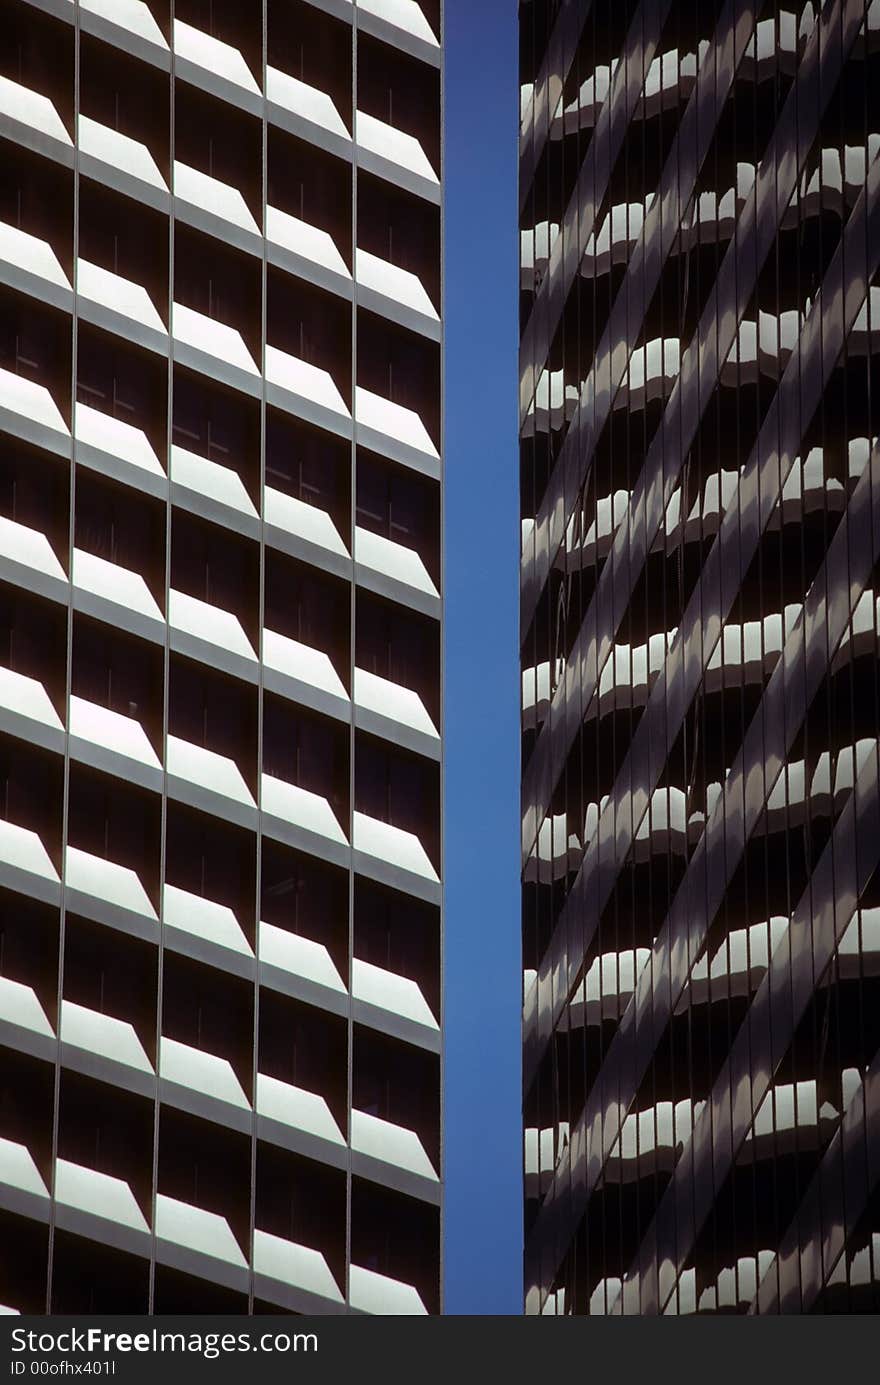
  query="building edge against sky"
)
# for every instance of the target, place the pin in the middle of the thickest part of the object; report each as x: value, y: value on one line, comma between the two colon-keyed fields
x: 220, y: 656
x: 700, y: 489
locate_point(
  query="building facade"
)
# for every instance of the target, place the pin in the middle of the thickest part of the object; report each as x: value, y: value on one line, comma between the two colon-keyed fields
x: 700, y: 483
x: 220, y: 677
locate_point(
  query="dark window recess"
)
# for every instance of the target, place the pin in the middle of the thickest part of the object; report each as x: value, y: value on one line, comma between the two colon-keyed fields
x: 302, y: 1202
x: 88, y: 1278
x: 306, y: 1048
x: 208, y: 1166
x: 36, y: 195
x: 33, y: 640
x: 116, y: 821
x: 212, y: 710
x: 116, y: 671
x: 400, y: 228
x: 219, y: 283
x: 126, y: 383
x: 307, y: 606
x: 35, y: 343
x: 126, y: 238
x: 126, y: 95
x: 38, y: 53
x: 215, y: 138
x: 398, y: 788
x: 24, y: 1265
x: 216, y: 566
x: 399, y: 1084
x: 311, y: 325
x: 230, y: 22
x: 400, y: 506
x: 209, y: 1010
x: 398, y: 645
x: 107, y: 1129
x: 399, y: 934
x: 31, y: 792
x: 112, y: 973
x: 396, y: 1236
x: 121, y: 526
x: 305, y: 896
x: 219, y: 424
x: 214, y: 860
x: 35, y: 492
x: 401, y: 91
x: 306, y: 750
x: 313, y: 47
x: 26, y: 1101
x: 402, y: 367
x: 311, y: 185
x: 311, y: 465
x: 29, y: 946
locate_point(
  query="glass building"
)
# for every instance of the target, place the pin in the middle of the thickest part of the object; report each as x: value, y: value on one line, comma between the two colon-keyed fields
x: 700, y: 483
x: 220, y: 509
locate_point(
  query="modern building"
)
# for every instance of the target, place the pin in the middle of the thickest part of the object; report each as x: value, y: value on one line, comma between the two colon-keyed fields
x: 700, y: 481
x: 220, y: 510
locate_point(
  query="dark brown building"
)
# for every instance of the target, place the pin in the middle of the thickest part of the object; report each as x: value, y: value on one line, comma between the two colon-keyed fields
x: 700, y: 482
x: 220, y: 836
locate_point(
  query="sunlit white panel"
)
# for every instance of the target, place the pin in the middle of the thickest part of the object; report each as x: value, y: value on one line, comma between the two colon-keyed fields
x: 293, y: 1106
x: 392, y: 560
x: 303, y: 239
x: 108, y: 881
x: 208, y: 622
x: 304, y: 100
x: 387, y: 843
x: 113, y: 583
x: 210, y: 479
x: 103, y: 1034
x: 403, y: 425
x: 305, y: 521
x: 213, y: 337
x: 300, y: 808
x: 201, y: 1071
x: 388, y: 991
x: 101, y: 726
x: 27, y: 698
x: 206, y: 768
x: 212, y: 196
x: 289, y: 1263
x: 390, y: 143
x: 132, y: 15
x: 213, y: 55
x: 98, y: 1193
x: 23, y: 849
x: 31, y: 254
x: 19, y: 1005
x: 115, y: 437
x: 32, y: 109
x: 205, y: 1232
x: 112, y: 291
x: 299, y: 956
x: 403, y: 14
x: 18, y: 1170
x: 389, y: 699
x: 308, y: 381
x: 203, y: 918
x: 301, y: 661
x: 377, y: 1294
x: 112, y: 147
x: 22, y: 396
x: 391, y: 282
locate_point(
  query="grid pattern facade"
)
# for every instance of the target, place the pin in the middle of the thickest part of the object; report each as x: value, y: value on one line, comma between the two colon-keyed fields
x: 700, y: 609
x: 220, y: 646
